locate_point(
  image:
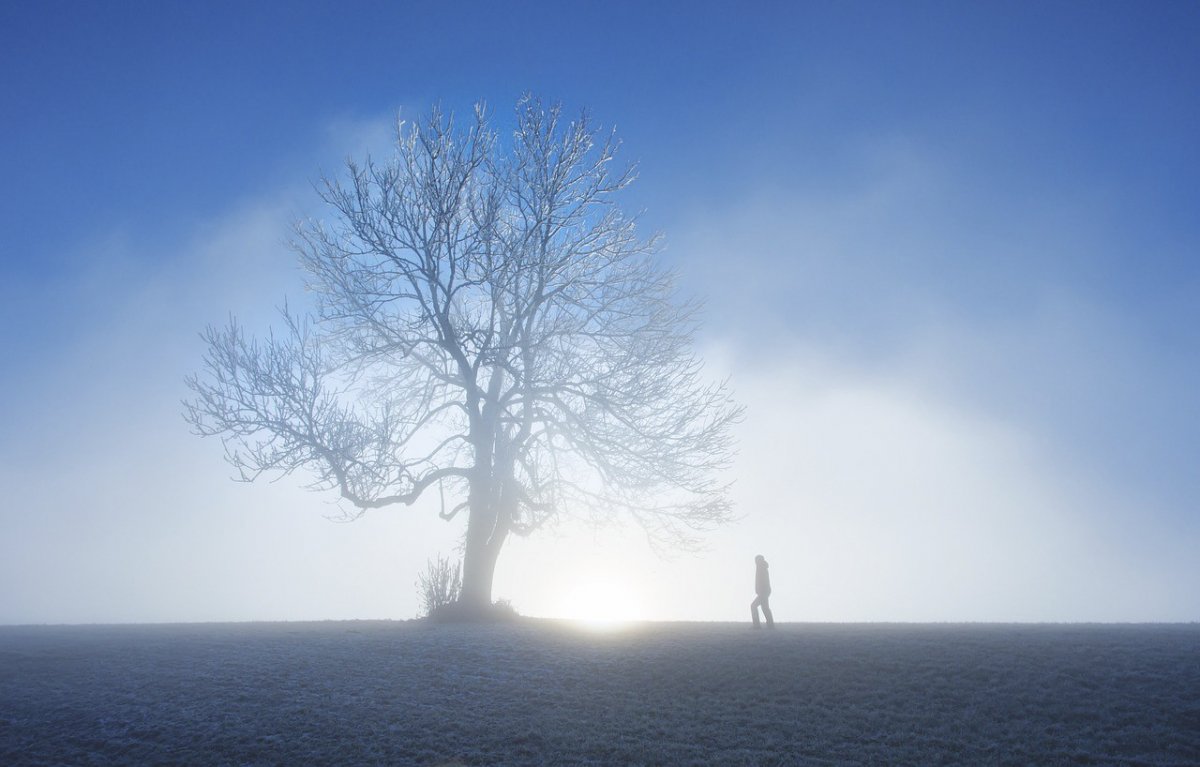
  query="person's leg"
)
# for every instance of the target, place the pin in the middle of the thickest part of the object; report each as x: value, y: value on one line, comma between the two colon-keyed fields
x: 766, y: 606
x: 754, y: 610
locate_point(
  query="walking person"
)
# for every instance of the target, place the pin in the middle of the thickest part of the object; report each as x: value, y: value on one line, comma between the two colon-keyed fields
x: 762, y: 588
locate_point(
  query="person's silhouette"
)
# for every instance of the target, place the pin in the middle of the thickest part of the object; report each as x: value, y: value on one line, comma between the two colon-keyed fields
x: 762, y: 587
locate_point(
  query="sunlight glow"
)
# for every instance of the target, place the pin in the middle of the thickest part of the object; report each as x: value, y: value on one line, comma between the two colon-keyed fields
x: 601, y: 601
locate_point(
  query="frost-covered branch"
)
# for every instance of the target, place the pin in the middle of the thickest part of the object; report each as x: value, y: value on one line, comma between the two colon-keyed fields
x: 487, y: 320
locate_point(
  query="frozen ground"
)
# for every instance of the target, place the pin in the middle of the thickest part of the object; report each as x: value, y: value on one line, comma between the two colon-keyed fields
x: 541, y: 693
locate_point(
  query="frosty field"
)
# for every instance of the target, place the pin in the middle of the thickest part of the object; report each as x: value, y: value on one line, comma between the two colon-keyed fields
x: 540, y: 692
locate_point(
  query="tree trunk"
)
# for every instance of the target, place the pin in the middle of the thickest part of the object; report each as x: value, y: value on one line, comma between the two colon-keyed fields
x: 477, y: 579
x: 489, y: 519
x: 487, y: 529
x: 479, y: 568
x: 485, y: 535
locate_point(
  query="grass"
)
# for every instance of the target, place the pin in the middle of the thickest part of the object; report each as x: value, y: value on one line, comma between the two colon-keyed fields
x: 539, y: 692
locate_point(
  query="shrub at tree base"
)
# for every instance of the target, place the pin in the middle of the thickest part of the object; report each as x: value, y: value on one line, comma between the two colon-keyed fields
x: 439, y: 585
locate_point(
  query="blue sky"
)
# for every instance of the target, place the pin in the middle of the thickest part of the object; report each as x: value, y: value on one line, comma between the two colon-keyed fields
x: 950, y: 254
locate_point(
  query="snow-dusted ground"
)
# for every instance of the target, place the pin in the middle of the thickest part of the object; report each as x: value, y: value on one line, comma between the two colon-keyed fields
x: 543, y: 693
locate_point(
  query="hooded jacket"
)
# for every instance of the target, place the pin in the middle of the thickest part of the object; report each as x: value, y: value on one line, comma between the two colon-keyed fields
x: 762, y: 579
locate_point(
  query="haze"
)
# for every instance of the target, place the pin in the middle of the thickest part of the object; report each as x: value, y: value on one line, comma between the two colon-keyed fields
x: 948, y: 250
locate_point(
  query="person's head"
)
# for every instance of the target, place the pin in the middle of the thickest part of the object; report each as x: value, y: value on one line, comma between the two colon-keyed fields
x: 759, y: 560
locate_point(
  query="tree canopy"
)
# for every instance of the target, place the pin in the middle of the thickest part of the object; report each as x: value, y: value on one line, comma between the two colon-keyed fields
x: 488, y: 325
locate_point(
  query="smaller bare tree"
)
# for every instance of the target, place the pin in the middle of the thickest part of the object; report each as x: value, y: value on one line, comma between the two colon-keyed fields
x: 440, y: 585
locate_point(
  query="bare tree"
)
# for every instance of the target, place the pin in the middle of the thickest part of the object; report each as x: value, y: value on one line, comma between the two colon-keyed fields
x: 489, y: 326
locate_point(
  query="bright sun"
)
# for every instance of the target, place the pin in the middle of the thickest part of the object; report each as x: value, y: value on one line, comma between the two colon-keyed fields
x: 601, y: 601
